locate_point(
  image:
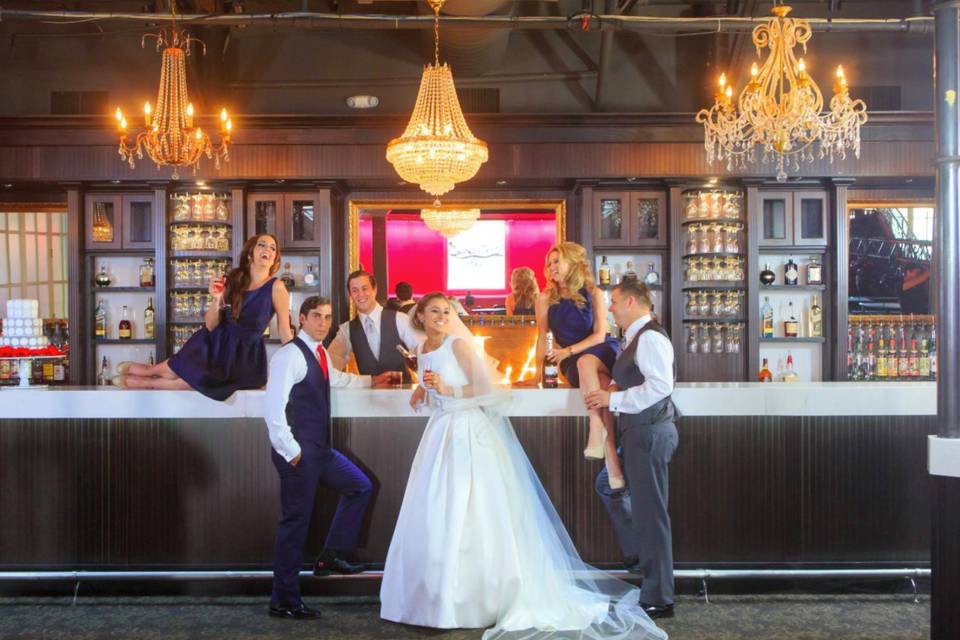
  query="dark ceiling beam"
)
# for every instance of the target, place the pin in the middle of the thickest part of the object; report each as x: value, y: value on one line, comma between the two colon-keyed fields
x: 312, y: 20
x: 556, y: 63
x: 606, y: 50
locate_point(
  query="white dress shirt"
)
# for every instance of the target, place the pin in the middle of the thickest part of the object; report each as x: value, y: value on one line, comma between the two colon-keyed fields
x: 342, y: 348
x: 287, y: 368
x: 654, y: 357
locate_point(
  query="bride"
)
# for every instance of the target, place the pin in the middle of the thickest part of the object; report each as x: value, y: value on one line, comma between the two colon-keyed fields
x: 478, y: 543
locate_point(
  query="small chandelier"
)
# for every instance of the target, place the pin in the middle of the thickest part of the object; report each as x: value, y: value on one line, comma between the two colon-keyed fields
x: 449, y: 222
x: 780, y: 108
x: 437, y: 149
x: 170, y: 137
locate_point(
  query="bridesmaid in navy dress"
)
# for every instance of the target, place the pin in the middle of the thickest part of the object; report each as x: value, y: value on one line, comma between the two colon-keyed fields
x: 573, y: 308
x: 228, y: 353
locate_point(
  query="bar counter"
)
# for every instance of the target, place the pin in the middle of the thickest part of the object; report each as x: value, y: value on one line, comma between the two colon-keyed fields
x: 799, y: 475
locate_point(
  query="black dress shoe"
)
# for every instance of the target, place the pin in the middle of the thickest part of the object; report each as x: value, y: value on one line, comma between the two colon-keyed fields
x: 299, y: 612
x: 658, y: 610
x: 337, y: 565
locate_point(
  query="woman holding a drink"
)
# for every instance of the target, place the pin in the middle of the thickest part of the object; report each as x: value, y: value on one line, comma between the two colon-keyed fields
x: 228, y: 353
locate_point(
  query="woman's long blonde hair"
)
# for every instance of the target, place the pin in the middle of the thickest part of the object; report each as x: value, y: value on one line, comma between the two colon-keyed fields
x: 579, y: 277
x: 523, y: 285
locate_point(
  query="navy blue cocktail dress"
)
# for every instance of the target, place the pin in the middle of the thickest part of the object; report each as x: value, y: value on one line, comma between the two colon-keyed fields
x: 570, y: 324
x: 232, y: 356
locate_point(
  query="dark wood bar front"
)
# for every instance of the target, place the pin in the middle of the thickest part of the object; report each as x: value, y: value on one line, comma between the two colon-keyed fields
x: 203, y: 493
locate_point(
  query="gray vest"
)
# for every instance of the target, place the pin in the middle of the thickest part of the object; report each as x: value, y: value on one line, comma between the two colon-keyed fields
x: 626, y: 374
x: 390, y: 359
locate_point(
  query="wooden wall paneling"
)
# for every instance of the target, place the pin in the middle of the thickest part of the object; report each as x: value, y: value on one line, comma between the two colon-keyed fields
x: 752, y: 343
x: 78, y: 309
x: 845, y: 518
x: 161, y: 270
x: 838, y: 282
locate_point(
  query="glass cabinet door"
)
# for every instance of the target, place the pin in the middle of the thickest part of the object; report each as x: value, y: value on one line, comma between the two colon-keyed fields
x: 810, y: 218
x: 138, y: 222
x: 103, y: 222
x: 776, y: 225
x: 610, y: 221
x: 263, y: 212
x: 648, y: 218
x: 301, y: 228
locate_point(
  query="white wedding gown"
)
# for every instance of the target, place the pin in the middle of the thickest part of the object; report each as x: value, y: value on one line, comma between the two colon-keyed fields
x: 478, y: 543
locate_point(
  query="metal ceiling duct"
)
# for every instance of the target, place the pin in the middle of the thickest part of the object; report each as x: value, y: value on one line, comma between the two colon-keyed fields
x: 471, y: 51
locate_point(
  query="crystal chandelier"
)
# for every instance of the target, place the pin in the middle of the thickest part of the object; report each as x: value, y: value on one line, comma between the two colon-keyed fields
x: 437, y: 149
x: 170, y: 137
x: 449, y: 222
x: 780, y: 108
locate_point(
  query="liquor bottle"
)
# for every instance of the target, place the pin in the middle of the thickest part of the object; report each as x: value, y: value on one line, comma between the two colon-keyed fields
x: 814, y: 271
x: 765, y: 375
x: 147, y: 278
x: 766, y: 319
x: 913, y: 358
x: 100, y: 320
x: 550, y: 380
x: 932, y: 350
x: 310, y: 277
x: 850, y: 375
x: 102, y: 279
x: 767, y: 276
x: 791, y: 275
x: 881, y: 354
x: 103, y: 378
x: 287, y: 277
x: 59, y: 371
x: 892, y: 370
x: 903, y: 366
x: 870, y: 359
x: 815, y: 319
x: 148, y: 320
x: 652, y: 278
x: 47, y: 370
x: 791, y: 327
x: 789, y: 375
x: 125, y: 328
x: 923, y: 359
x: 604, y: 272
x: 150, y: 361
x: 629, y: 275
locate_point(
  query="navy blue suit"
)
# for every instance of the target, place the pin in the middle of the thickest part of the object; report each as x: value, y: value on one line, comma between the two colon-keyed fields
x: 308, y: 413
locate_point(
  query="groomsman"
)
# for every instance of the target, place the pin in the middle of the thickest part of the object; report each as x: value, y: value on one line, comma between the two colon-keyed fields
x: 297, y: 412
x: 643, y: 381
x: 374, y: 334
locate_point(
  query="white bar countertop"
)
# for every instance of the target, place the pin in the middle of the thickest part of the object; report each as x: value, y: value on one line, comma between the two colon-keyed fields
x: 693, y: 399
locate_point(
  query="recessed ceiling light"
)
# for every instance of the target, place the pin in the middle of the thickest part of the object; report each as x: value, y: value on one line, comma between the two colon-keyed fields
x: 712, y: 181
x: 909, y: 180
x: 501, y: 183
x: 115, y: 181
x: 401, y: 183
x: 201, y: 183
x: 363, y: 102
x: 631, y: 179
x: 7, y: 185
x: 280, y: 180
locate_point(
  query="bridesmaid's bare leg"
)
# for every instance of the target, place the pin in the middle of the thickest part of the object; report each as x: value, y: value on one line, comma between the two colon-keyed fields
x: 159, y: 370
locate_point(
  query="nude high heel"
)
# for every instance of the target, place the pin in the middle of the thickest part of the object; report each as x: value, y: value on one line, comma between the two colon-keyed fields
x: 123, y: 368
x: 120, y: 381
x: 616, y: 482
x: 600, y: 452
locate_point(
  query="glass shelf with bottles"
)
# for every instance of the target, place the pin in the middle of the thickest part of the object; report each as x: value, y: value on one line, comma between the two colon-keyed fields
x: 789, y: 322
x: 891, y: 348
x: 620, y: 268
x: 712, y: 205
x: 718, y: 338
x: 783, y: 273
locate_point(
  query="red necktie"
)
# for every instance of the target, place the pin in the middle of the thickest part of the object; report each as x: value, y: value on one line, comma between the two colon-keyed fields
x: 322, y: 357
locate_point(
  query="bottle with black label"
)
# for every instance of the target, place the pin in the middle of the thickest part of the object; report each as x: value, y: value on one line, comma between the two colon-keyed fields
x: 100, y: 320
x: 550, y: 376
x: 791, y: 275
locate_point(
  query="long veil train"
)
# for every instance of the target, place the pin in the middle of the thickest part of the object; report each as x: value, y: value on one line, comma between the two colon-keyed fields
x: 557, y: 595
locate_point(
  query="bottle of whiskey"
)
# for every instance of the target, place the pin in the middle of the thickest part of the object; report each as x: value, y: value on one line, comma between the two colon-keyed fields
x: 913, y: 357
x: 791, y: 327
x: 125, y: 330
x: 814, y: 271
x: 766, y: 319
x: 789, y: 375
x: 791, y: 275
x: 103, y: 378
x: 923, y: 359
x: 604, y: 272
x: 287, y: 276
x: 765, y: 375
x: 892, y: 370
x: 881, y: 354
x: 903, y: 365
x: 147, y: 278
x: 550, y: 378
x: 100, y: 320
x: 148, y: 320
x: 629, y: 274
x: 815, y: 319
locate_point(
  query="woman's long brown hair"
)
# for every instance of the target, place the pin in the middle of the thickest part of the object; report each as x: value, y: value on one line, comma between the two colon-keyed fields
x: 239, y: 279
x: 523, y: 285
